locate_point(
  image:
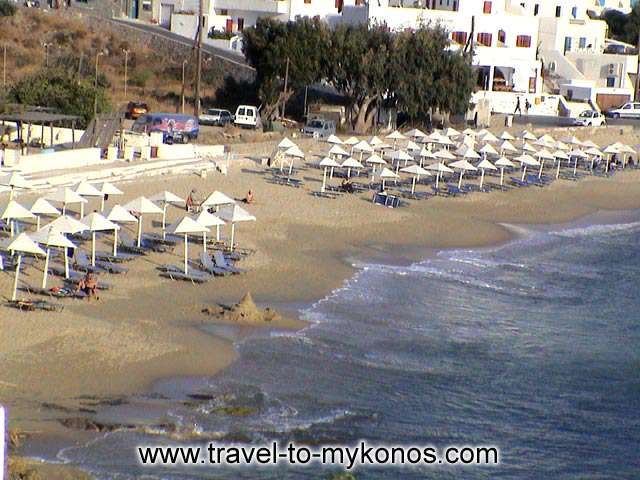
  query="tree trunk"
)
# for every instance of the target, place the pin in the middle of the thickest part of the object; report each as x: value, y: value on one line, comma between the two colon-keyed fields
x: 361, y: 124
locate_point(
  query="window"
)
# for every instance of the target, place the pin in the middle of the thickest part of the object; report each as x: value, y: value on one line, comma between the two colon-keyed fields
x: 229, y: 25
x: 240, y: 23
x: 611, y: 82
x: 567, y: 44
x: 523, y: 41
x: 502, y: 37
x: 583, y: 42
x: 459, y: 37
x: 224, y: 11
x: 536, y: 9
x: 484, y: 39
x: 574, y: 12
x: 558, y: 11
x: 487, y: 7
x: 532, y: 84
x: 146, y: 5
x: 307, y: 1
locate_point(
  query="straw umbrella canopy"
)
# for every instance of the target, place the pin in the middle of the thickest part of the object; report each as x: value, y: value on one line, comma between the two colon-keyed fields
x: 560, y: 155
x: 142, y: 206
x: 527, y: 135
x: 489, y: 138
x: 590, y: 144
x: 325, y: 163
x: 338, y: 151
x: 67, y: 196
x: 50, y: 237
x: 526, y: 161
x: 503, y: 162
x: 444, y: 155
x: 425, y: 153
x: 440, y: 168
x: 209, y: 220
x: 543, y: 155
x: 95, y: 222
x: 610, y: 151
x: 412, y: 146
x: 594, y: 153
x: 291, y: 153
x: 472, y: 133
x: 507, y: 136
x: 22, y: 244
x: 217, y: 199
x: 395, y: 136
x: 166, y: 198
x: 14, y: 180
x: 285, y: 143
x: 85, y: 189
x: 67, y: 225
x: 572, y: 140
x: 415, y: 171
x: 375, y: 141
x: 386, y: 174
x: 42, y: 207
x: 468, y: 141
x: 234, y: 214
x: 351, y: 141
x: 362, y: 147
x: 507, y: 146
x: 334, y: 140
x: 485, y: 165
x: 451, y: 132
x: 463, y: 166
x: 185, y: 227
x: 108, y: 189
x: 526, y: 147
x: 415, y: 133
x: 468, y: 153
x: 119, y: 215
x: 576, y: 154
x: 350, y: 163
x: 14, y: 211
x: 487, y: 150
x: 559, y: 145
x: 400, y: 156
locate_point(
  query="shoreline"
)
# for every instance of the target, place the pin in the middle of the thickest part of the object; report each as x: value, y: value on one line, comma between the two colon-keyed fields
x: 144, y: 333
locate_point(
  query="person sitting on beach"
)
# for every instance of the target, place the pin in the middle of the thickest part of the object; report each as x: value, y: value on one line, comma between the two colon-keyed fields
x: 347, y: 186
x: 88, y: 285
x: 249, y: 198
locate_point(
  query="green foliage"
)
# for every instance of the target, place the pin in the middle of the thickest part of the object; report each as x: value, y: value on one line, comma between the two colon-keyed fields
x: 141, y: 77
x: 62, y: 91
x: 7, y: 8
x: 624, y: 28
x: 219, y: 34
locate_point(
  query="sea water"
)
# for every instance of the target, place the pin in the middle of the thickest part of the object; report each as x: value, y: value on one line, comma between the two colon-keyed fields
x: 533, y: 346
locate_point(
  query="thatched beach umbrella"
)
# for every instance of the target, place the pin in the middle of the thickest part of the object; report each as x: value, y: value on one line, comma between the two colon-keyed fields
x: 415, y: 134
x: 66, y: 196
x: 117, y: 214
x: 142, y: 206
x: 234, y: 214
x: 375, y: 160
x: 362, y: 147
x: 66, y: 225
x: 86, y: 189
x: 440, y: 168
x: 507, y: 136
x: 485, y: 165
x: 415, y: 171
x: 334, y: 140
x: 95, y: 222
x: 395, y: 136
x: 543, y: 155
x: 351, y: 163
x: 209, y: 220
x: 185, y: 227
x: 560, y: 155
x: 50, y: 237
x: 14, y: 180
x: 387, y: 174
x: 325, y: 163
x: 462, y: 166
x: 503, y: 162
x: 507, y: 147
x: 400, y: 156
x: 108, y: 189
x: 166, y: 198
x: 42, y: 207
x: 13, y: 212
x: 22, y: 244
x: 526, y: 161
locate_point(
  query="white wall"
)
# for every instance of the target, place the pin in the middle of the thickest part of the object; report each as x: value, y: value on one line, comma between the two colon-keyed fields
x: 41, y: 162
x: 60, y: 135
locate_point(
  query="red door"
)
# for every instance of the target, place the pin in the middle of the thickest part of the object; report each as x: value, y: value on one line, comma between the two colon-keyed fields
x: 229, y: 25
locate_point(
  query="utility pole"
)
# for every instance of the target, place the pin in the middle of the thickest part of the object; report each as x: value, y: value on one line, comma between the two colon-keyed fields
x: 196, y: 105
x: 80, y: 65
x: 184, y: 64
x: 4, y: 67
x: 636, y: 94
x: 95, y: 87
x: 46, y: 53
x: 126, y: 62
x: 286, y: 80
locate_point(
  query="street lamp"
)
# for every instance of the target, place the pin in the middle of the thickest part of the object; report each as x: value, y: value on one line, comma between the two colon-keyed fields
x: 4, y: 67
x: 46, y: 53
x: 126, y: 61
x: 184, y: 64
x: 95, y: 87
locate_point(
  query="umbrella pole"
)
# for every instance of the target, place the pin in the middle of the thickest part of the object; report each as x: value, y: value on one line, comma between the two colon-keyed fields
x: 541, y: 167
x: 66, y: 263
x: 12, y: 222
x: 324, y: 180
x: 524, y: 172
x: 217, y: 233
x: 558, y: 170
x: 437, y: 179
x: 140, y: 230
x: 115, y: 242
x: 81, y: 209
x: 481, y: 179
x: 37, y: 222
x: 14, y: 295
x: 233, y: 232
x: 331, y: 176
x: 383, y: 184
x: 204, y: 242
x: 413, y: 186
x: 460, y: 180
x: 93, y: 249
x: 11, y: 194
x: 102, y: 203
x: 164, y: 220
x: 186, y: 254
x: 501, y: 176
x: 46, y: 269
x: 64, y: 209
x: 575, y: 167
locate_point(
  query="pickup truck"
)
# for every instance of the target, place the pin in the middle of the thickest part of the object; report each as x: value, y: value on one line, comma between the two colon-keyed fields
x: 319, y: 128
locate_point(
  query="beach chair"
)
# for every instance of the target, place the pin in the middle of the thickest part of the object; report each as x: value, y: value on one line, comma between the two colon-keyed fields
x: 168, y: 241
x: 176, y: 273
x: 121, y: 258
x: 210, y: 267
x: 453, y: 190
x: 518, y: 183
x: 221, y: 261
x: 83, y: 264
x: 33, y: 305
x: 57, y: 292
x: 127, y: 245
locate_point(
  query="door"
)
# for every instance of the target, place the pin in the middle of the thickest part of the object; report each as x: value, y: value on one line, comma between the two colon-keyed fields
x: 166, y: 10
x: 229, y: 25
x: 567, y: 44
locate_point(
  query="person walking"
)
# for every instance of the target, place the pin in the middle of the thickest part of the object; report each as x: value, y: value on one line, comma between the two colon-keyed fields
x: 518, y: 109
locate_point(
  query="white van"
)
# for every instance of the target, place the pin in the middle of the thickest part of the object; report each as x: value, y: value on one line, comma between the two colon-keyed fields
x: 247, y: 117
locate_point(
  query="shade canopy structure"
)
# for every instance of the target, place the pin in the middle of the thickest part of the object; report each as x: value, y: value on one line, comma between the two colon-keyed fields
x: 543, y: 155
x: 469, y: 132
x: 561, y: 145
x: 468, y: 141
x: 463, y: 166
x: 118, y: 214
x: 338, y: 151
x: 483, y: 166
x: 14, y: 180
x: 14, y: 211
x: 362, y: 146
x: 502, y: 163
x: 590, y: 144
x: 216, y: 199
x: 507, y: 146
x: 444, y: 155
x: 351, y: 163
x: 572, y: 140
x: 415, y: 133
x: 386, y: 174
x: 50, y: 237
x: 376, y: 160
x: 412, y: 146
x: 451, y: 132
x: 526, y: 161
x: 209, y: 220
x: 66, y: 196
x: 142, y: 206
x: 96, y: 222
x: 166, y: 198
x: 351, y: 141
x: 234, y: 214
x: 294, y: 151
x: 67, y: 225
x: 285, y: 143
x: 22, y: 244
x: 334, y: 139
x: 186, y: 226
x: 42, y: 207
x: 527, y: 135
x: 506, y: 136
x: 375, y: 141
x: 488, y: 149
x: 468, y: 153
x: 489, y: 138
x: 327, y: 162
x: 108, y: 189
x: 526, y: 147
x: 396, y: 135
x: 440, y: 168
x: 415, y: 171
x: 86, y: 189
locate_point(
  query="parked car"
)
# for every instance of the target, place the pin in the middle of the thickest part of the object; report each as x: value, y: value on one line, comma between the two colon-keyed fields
x: 175, y: 127
x: 135, y: 110
x: 215, y: 116
x: 590, y: 118
x: 627, y: 110
x: 247, y: 116
x: 319, y: 128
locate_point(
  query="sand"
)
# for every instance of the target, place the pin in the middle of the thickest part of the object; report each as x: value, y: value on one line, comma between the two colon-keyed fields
x: 147, y: 327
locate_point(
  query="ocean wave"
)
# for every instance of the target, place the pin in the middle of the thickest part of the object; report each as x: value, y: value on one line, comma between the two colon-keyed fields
x: 598, y: 229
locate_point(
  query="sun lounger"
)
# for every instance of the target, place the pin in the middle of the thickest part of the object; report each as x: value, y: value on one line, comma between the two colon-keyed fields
x: 176, y: 273
x: 330, y: 195
x: 129, y: 246
x: 120, y: 258
x: 145, y: 245
x: 386, y: 200
x: 157, y: 238
x: 454, y: 190
x: 33, y: 305
x: 57, y: 292
x: 518, y: 183
x: 221, y: 262
x: 208, y: 266
x: 83, y: 264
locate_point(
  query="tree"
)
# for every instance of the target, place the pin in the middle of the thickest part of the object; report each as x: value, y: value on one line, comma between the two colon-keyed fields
x: 7, y: 8
x: 62, y: 91
x: 359, y: 66
x: 623, y: 27
x: 269, y: 44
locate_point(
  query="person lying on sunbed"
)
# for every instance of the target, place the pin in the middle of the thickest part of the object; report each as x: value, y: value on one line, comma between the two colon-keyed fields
x: 88, y: 285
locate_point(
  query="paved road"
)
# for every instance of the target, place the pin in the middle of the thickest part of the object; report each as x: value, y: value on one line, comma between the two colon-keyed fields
x: 545, y: 121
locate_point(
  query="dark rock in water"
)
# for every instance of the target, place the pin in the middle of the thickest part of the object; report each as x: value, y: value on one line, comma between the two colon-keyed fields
x: 342, y: 476
x: 203, y: 397
x: 235, y: 410
x: 59, y: 408
x: 89, y: 425
x: 237, y: 437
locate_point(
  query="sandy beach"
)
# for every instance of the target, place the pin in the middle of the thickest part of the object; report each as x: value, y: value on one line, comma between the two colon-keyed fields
x: 146, y: 328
